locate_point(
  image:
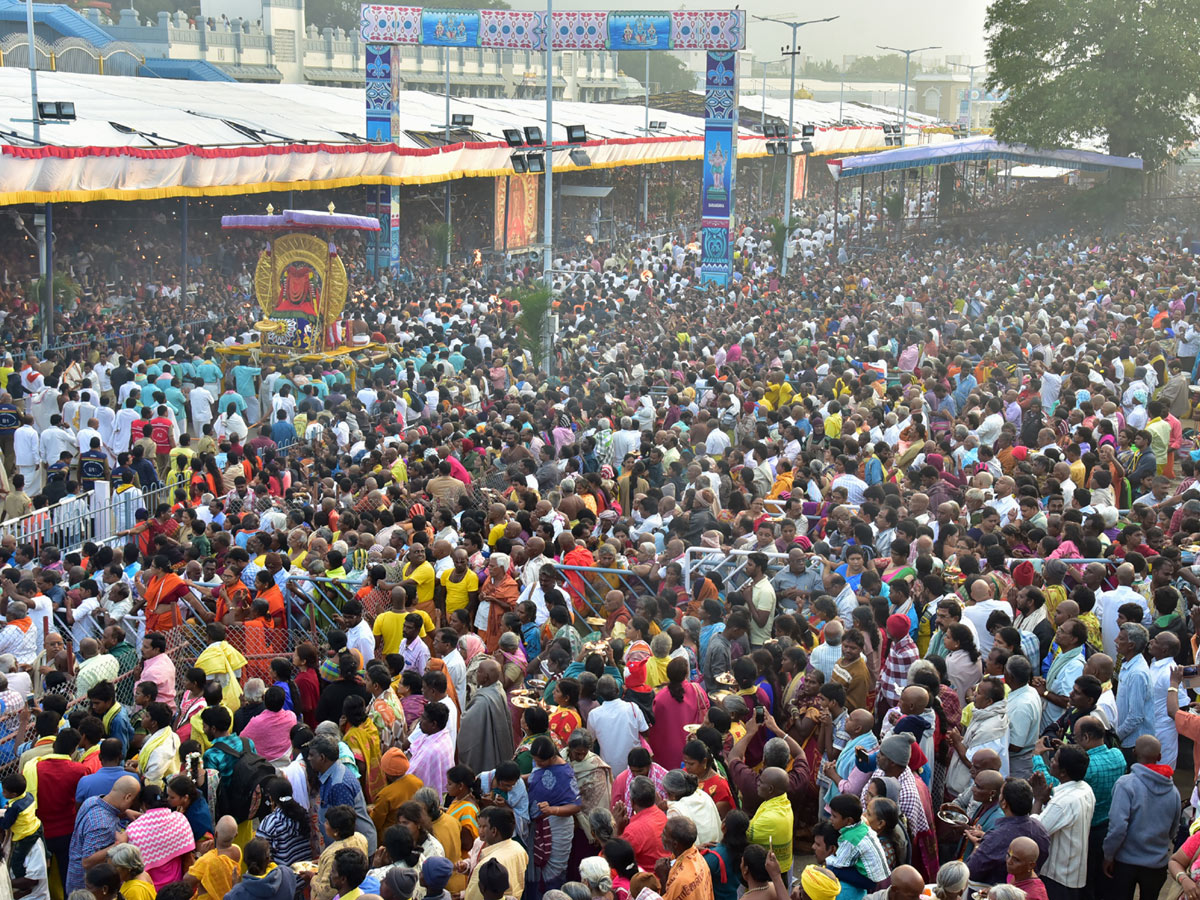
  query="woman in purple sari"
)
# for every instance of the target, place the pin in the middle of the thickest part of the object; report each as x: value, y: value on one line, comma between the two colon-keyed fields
x: 553, y: 802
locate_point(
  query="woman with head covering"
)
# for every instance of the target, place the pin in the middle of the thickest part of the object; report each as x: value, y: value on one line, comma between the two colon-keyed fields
x: 164, y: 837
x: 593, y: 776
x: 473, y: 651
x: 684, y: 798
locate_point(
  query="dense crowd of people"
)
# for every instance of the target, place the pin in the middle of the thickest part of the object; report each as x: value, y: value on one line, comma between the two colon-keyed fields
x: 875, y: 581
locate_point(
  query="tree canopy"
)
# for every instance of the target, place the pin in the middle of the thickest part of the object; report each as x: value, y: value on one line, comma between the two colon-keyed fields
x: 1123, y: 71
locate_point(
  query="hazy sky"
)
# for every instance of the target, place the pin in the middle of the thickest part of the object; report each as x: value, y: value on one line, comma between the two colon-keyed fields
x: 957, y: 25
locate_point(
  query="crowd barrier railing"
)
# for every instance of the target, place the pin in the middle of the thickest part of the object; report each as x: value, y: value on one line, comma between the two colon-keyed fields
x: 73, y: 521
x: 589, y: 584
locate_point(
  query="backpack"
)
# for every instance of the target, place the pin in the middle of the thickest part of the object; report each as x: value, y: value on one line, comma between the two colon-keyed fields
x: 241, y: 794
x: 416, y: 401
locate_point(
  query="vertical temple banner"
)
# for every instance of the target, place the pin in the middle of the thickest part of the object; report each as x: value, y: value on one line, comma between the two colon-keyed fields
x: 718, y: 32
x: 719, y: 182
x: 799, y: 171
x: 516, y: 208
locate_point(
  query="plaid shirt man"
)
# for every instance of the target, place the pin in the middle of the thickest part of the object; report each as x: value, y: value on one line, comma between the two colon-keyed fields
x: 902, y: 654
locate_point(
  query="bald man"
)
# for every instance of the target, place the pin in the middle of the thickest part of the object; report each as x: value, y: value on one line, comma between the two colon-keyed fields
x: 907, y: 884
x: 1141, y: 824
x: 486, y: 723
x: 214, y: 872
x: 94, y: 666
x: 984, y: 809
x: 1163, y: 649
x: 773, y: 821
x: 96, y: 826
x: 1108, y: 602
x: 1022, y: 864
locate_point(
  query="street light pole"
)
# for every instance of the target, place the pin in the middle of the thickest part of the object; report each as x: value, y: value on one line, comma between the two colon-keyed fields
x: 787, y: 189
x: 449, y: 233
x: 646, y: 132
x: 907, y: 57
x: 548, y: 204
x: 970, y: 93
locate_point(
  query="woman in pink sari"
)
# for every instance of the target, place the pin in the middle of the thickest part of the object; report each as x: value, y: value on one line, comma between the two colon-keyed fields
x: 679, y: 702
x: 164, y: 837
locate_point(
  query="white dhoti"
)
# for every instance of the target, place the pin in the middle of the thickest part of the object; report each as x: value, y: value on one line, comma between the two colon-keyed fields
x: 34, y: 480
x: 252, y: 411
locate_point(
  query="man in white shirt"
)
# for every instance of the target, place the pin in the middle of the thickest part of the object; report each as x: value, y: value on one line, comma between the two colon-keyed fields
x: 1024, y: 716
x: 616, y: 724
x: 27, y: 453
x: 989, y: 428
x: 982, y: 606
x: 445, y: 645
x: 123, y: 427
x: 1109, y: 602
x: 1065, y: 811
x: 358, y: 631
x: 200, y: 401
x: 57, y: 440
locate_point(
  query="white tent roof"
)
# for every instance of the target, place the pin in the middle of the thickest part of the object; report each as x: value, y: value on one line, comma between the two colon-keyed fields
x: 138, y: 138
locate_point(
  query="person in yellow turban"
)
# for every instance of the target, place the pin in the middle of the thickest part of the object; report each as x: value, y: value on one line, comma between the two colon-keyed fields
x: 818, y: 883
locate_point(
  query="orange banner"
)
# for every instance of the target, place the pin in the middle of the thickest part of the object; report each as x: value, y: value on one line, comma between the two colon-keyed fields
x: 516, y: 198
x: 799, y: 170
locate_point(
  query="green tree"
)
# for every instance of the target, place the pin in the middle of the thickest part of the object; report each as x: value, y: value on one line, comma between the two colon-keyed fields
x: 667, y: 71
x: 1123, y: 71
x: 535, y: 304
x: 889, y: 67
x: 779, y: 234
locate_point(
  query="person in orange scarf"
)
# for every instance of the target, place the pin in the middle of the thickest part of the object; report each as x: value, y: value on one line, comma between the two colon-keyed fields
x: 574, y: 554
x: 267, y: 589
x: 497, y: 595
x: 263, y: 640
x: 162, y: 595
x: 688, y: 878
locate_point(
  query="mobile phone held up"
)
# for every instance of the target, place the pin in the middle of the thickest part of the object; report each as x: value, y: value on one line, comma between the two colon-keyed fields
x: 760, y: 714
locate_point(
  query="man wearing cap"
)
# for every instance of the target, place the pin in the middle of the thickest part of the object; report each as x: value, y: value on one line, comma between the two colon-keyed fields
x: 902, y: 653
x: 895, y: 753
x: 495, y: 844
x: 400, y: 788
x: 435, y: 874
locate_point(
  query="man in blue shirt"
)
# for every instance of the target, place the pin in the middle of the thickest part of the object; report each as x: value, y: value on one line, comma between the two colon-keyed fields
x: 1134, y: 705
x: 244, y: 383
x: 338, y: 786
x: 101, y: 781
x: 102, y: 698
x: 282, y: 432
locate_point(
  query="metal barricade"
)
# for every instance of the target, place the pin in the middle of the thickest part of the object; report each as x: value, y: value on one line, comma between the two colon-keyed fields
x: 73, y: 521
x: 730, y: 566
x: 314, y: 603
x: 589, y: 584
